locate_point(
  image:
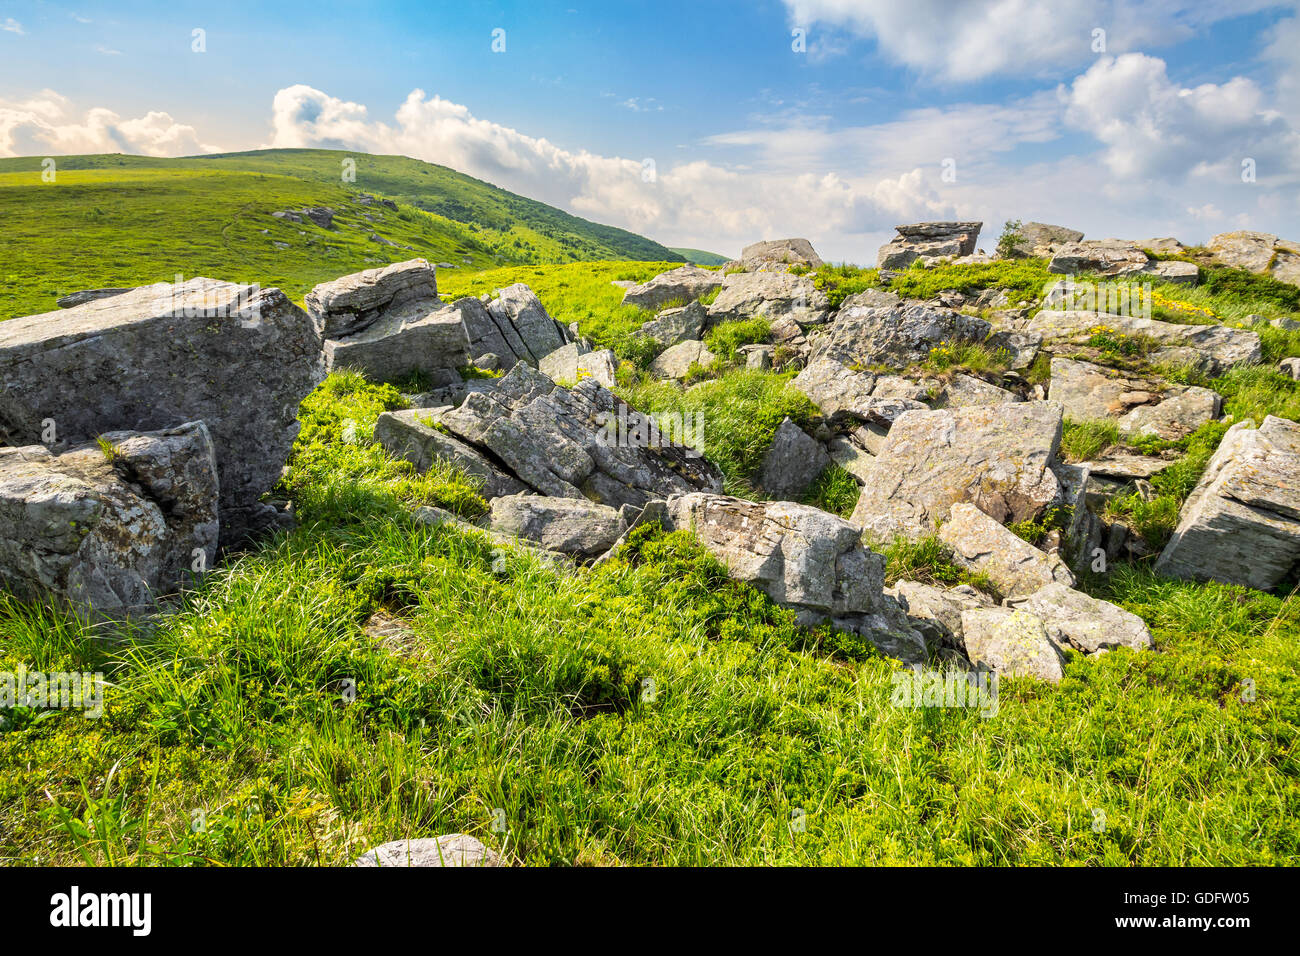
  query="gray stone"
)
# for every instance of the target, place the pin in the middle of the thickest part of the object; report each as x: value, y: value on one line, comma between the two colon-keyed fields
x: 963, y: 390
x: 579, y: 442
x: 1081, y: 622
x: 792, y: 463
x: 983, y: 546
x: 681, y: 286
x: 676, y: 361
x: 406, y: 341
x: 238, y: 358
x: 1221, y: 347
x: 1174, y: 270
x: 1259, y: 252
x: 770, y: 295
x: 1012, y: 643
x: 454, y: 849
x: 355, y: 302
x: 896, y: 337
x: 1182, y: 410
x: 410, y: 435
x: 1291, y: 367
x: 110, y: 527
x: 573, y: 526
x: 996, y: 457
x: 1041, y: 240
x: 87, y: 295
x: 801, y: 557
x: 782, y: 253
x: 928, y: 242
x: 1107, y: 257
x: 1241, y: 524
x: 520, y: 308
x: 848, y: 398
x: 849, y: 456
x: 677, y: 325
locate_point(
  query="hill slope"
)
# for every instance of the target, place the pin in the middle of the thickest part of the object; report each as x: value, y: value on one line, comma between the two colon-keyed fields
x: 115, y: 220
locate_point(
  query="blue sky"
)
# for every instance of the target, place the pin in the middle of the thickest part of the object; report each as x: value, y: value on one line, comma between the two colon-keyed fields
x: 886, y: 113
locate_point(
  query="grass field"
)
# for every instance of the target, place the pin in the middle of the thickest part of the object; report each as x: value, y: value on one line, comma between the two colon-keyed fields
x: 365, y: 677
x: 649, y: 712
x: 122, y: 221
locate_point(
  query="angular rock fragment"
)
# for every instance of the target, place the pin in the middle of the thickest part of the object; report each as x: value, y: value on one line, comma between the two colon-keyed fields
x: 112, y: 525
x: 1241, y: 524
x: 572, y: 526
x: 983, y: 546
x: 792, y: 464
x: 683, y: 286
x: 996, y: 457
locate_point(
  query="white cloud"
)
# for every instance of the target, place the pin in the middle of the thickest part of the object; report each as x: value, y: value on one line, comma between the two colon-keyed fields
x: 46, y: 125
x: 1154, y: 128
x: 696, y: 202
x: 11, y: 25
x: 963, y: 42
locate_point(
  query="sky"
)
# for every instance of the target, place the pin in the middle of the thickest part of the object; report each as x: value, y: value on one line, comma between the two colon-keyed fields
x: 712, y: 125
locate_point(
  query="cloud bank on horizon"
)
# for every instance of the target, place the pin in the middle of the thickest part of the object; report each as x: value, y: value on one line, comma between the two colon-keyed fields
x: 1032, y: 118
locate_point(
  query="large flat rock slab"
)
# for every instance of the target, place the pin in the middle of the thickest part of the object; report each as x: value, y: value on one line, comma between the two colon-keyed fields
x: 237, y: 357
x: 996, y: 457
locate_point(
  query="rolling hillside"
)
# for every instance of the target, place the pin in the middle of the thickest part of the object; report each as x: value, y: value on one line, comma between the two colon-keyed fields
x: 116, y: 220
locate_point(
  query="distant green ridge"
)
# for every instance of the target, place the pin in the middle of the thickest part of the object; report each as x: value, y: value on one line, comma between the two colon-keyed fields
x: 117, y: 220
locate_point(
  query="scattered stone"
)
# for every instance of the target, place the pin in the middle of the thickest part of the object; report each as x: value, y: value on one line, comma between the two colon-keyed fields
x: 454, y: 849
x: 1174, y: 270
x: 677, y: 361
x: 771, y: 295
x: 1241, y: 524
x: 1012, y: 643
x: 1291, y: 367
x: 1183, y: 410
x: 579, y: 442
x: 996, y: 457
x: 962, y: 391
x: 1127, y: 467
x: 792, y: 464
x: 236, y: 357
x: 677, y: 325
x: 574, y: 362
x: 541, y: 335
x: 1084, y: 623
x: 1218, y: 346
x: 681, y: 286
x: 410, y: 435
x: 897, y: 337
x: 983, y: 546
x: 804, y: 559
x: 1259, y: 252
x: 848, y: 398
x: 780, y: 254
x: 573, y: 526
x: 355, y: 302
x: 1166, y: 247
x: 1107, y: 257
x: 111, y: 525
x: 853, y: 459
x: 1041, y: 240
x: 929, y: 242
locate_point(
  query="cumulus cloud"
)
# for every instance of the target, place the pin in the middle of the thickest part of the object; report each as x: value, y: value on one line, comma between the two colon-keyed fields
x: 10, y: 25
x: 963, y: 42
x: 1154, y: 128
x: 697, y: 202
x: 46, y: 124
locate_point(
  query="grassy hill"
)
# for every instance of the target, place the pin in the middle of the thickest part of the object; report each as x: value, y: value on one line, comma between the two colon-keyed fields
x: 700, y: 257
x: 115, y: 220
